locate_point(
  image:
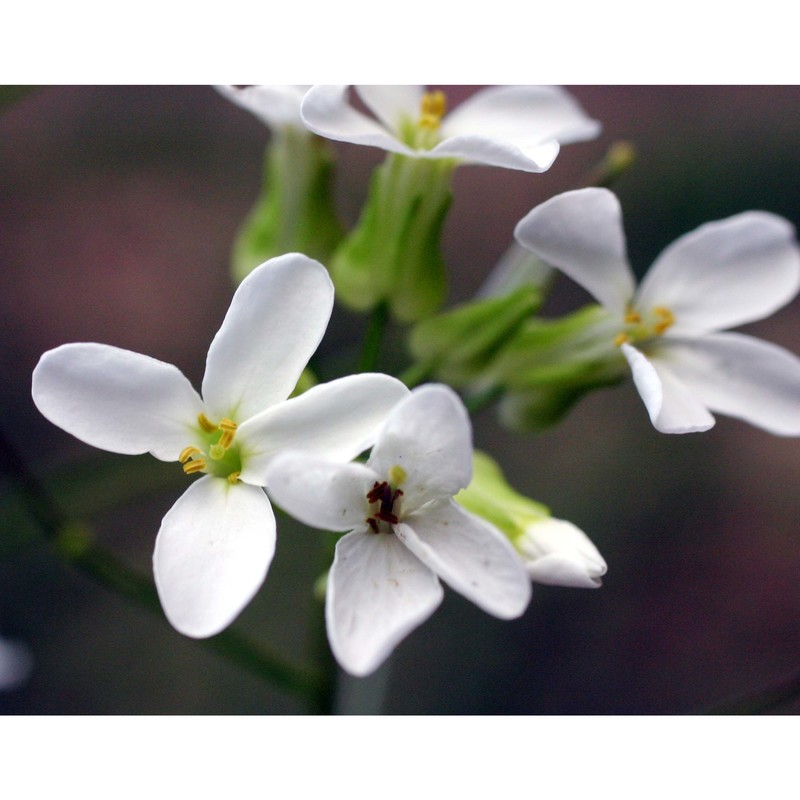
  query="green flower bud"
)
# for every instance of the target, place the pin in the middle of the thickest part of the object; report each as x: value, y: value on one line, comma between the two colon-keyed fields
x: 393, y: 254
x: 295, y: 211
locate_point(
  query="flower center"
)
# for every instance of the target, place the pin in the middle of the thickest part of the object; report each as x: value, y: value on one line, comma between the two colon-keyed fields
x: 641, y: 328
x: 383, y: 499
x: 422, y: 133
x: 220, y: 456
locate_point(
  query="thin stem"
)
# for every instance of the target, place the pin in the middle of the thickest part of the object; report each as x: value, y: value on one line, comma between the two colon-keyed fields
x: 478, y: 402
x: 416, y: 374
x: 73, y: 541
x: 372, y: 339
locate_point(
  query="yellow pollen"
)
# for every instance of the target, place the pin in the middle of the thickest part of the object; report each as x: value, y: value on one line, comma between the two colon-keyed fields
x: 633, y: 318
x: 621, y: 338
x: 432, y: 109
x: 666, y: 319
x: 205, y: 423
x: 234, y: 477
x: 397, y: 475
x: 187, y: 453
x: 228, y: 428
x: 197, y: 465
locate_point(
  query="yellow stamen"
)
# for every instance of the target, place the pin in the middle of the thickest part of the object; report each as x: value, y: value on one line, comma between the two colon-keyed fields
x: 228, y: 428
x: 234, y: 477
x: 197, y: 465
x: 432, y: 109
x: 188, y: 452
x: 633, y: 318
x: 397, y: 475
x: 205, y: 423
x: 666, y: 319
x: 621, y: 338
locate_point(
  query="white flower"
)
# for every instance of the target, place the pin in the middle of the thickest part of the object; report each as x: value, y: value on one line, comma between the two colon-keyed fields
x: 406, y: 531
x: 275, y: 106
x: 216, y: 543
x: 519, y: 127
x: 558, y: 553
x: 724, y: 274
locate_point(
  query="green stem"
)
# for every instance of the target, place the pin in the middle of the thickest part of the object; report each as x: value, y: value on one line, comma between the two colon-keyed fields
x: 372, y: 340
x: 73, y: 541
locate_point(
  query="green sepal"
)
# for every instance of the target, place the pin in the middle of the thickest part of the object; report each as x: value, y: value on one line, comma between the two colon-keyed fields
x: 295, y: 211
x: 550, y: 364
x: 459, y: 345
x: 393, y: 254
x: 491, y: 497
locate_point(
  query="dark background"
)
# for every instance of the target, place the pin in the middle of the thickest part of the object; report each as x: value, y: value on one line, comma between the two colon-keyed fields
x: 118, y: 206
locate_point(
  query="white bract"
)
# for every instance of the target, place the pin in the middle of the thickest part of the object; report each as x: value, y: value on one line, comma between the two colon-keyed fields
x: 406, y: 531
x: 723, y: 274
x: 519, y: 127
x: 216, y: 543
x: 275, y: 106
x: 558, y: 553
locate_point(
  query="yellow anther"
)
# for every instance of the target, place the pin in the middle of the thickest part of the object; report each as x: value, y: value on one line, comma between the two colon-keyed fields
x: 633, y: 318
x: 432, y: 109
x: 621, y: 338
x: 397, y: 475
x: 666, y: 319
x: 228, y: 428
x: 197, y: 465
x: 234, y: 477
x: 188, y: 452
x: 205, y: 423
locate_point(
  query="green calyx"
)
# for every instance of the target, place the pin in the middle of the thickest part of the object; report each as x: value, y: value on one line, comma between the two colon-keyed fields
x: 393, y: 254
x: 490, y: 497
x: 459, y: 345
x: 295, y: 210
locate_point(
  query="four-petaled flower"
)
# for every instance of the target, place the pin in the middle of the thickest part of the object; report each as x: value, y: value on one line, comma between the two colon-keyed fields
x: 518, y: 127
x: 216, y: 543
x: 723, y: 274
x: 406, y: 531
x: 276, y: 106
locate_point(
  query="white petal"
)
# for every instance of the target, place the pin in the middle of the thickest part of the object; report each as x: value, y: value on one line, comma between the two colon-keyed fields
x: 390, y: 104
x: 429, y: 436
x: 378, y: 592
x: 336, y: 420
x: 326, y: 112
x: 519, y: 127
x: 212, y: 554
x: 275, y: 323
x: 581, y: 234
x: 671, y: 405
x: 322, y: 494
x: 275, y: 106
x: 725, y: 273
x: 473, y: 557
x: 558, y: 553
x: 740, y: 376
x: 117, y: 400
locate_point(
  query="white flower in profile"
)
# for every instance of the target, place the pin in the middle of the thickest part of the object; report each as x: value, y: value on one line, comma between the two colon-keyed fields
x: 276, y: 106
x: 723, y: 274
x: 406, y: 531
x: 518, y: 127
x: 216, y: 543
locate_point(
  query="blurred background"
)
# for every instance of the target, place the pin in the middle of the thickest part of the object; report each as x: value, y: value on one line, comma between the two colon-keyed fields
x: 118, y: 207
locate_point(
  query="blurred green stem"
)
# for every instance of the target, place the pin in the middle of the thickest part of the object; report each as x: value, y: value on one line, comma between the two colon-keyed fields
x: 73, y: 540
x: 372, y: 340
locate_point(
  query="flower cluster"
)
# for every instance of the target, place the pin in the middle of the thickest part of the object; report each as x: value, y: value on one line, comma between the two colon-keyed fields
x: 386, y: 464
